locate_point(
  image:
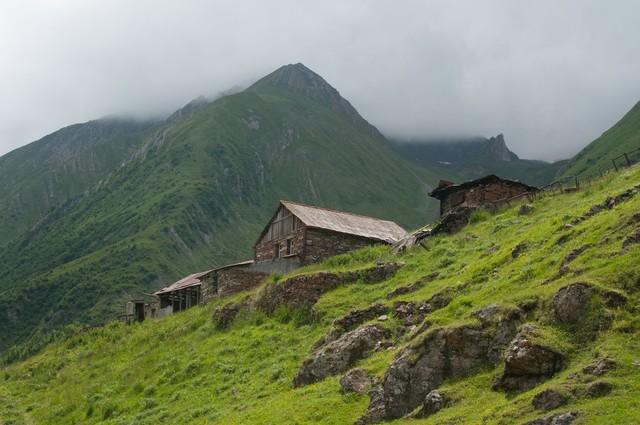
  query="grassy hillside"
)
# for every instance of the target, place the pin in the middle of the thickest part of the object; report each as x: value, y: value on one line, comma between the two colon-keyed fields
x: 183, y: 369
x: 45, y: 174
x: 469, y: 159
x: 621, y: 138
x: 194, y: 195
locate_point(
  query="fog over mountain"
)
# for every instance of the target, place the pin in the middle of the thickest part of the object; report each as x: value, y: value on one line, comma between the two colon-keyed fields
x: 550, y: 75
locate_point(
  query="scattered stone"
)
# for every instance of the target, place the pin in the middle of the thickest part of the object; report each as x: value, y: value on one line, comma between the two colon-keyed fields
x: 600, y: 367
x: 574, y: 253
x: 559, y: 419
x: 548, y: 399
x: 383, y: 318
x: 614, y: 299
x: 383, y: 345
x: 599, y: 388
x: 339, y: 355
x: 527, y: 363
x: 570, y: 302
x: 356, y: 381
x: 525, y: 209
x: 519, y: 249
x: 224, y: 316
x: 632, y: 239
x: 409, y: 313
x: 433, y: 403
x: 453, y: 221
x: 402, y: 290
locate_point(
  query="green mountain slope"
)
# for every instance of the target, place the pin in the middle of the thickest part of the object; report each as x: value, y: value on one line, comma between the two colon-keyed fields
x: 469, y: 159
x: 45, y: 174
x: 183, y: 369
x: 619, y: 139
x: 195, y: 195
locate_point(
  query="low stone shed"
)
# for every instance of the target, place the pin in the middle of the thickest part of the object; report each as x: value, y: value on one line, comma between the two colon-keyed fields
x: 479, y: 193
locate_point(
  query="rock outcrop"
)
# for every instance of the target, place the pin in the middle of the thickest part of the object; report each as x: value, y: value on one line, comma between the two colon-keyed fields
x: 527, y: 363
x: 600, y: 367
x: 439, y: 354
x: 571, y: 302
x: 407, y: 289
x: 303, y: 291
x: 433, y: 403
x: 350, y: 321
x: 599, y: 388
x: 339, y: 355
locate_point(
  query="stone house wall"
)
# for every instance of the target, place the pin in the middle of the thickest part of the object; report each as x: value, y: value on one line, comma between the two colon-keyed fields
x: 322, y: 244
x: 266, y: 251
x: 481, y: 195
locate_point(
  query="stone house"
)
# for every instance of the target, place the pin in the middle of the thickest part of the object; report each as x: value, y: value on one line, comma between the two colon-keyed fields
x: 296, y: 235
x: 299, y: 234
x: 479, y: 193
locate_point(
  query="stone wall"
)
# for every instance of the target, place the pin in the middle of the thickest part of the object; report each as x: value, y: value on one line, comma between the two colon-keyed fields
x: 321, y: 244
x: 482, y: 195
x: 236, y: 279
x: 230, y: 280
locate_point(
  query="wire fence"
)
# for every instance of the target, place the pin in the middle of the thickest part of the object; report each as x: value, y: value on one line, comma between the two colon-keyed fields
x: 573, y: 183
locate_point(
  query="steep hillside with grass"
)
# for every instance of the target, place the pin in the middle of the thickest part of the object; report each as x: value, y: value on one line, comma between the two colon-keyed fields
x: 194, y: 195
x: 555, y: 291
x: 469, y: 159
x: 619, y: 139
x: 45, y: 174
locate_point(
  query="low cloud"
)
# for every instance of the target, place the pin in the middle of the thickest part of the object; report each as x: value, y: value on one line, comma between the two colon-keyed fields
x: 550, y: 75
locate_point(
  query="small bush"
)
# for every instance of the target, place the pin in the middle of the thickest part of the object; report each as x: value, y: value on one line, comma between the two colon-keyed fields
x: 479, y: 216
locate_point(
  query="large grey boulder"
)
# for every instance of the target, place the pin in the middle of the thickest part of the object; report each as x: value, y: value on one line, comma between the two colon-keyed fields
x: 339, y: 355
x: 356, y: 381
x: 548, y: 399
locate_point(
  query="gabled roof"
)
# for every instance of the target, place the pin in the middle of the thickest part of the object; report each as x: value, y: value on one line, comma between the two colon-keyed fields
x: 344, y: 222
x: 185, y: 282
x: 445, y: 189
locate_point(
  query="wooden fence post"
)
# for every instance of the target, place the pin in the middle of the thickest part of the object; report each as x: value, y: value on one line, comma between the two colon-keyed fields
x: 614, y: 164
x: 626, y: 157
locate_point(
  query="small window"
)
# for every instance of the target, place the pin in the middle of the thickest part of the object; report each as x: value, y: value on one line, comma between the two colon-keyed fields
x: 290, y: 247
x: 276, y: 253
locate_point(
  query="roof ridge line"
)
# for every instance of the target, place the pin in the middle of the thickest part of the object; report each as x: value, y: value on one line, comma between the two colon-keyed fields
x: 282, y: 201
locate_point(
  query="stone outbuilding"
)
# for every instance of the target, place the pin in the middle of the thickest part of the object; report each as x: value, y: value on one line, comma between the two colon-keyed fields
x: 479, y: 193
x: 300, y: 234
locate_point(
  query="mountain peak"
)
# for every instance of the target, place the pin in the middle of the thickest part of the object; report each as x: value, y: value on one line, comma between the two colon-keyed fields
x: 297, y: 78
x: 300, y: 80
x: 498, y: 147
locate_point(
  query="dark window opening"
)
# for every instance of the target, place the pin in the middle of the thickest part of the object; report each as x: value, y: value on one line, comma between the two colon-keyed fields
x: 290, y: 247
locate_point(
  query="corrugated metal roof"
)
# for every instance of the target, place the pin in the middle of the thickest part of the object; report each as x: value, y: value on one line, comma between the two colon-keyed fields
x: 185, y: 282
x: 344, y: 222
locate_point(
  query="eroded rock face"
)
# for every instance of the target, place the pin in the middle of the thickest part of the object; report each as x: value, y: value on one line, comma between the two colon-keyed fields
x: 412, y: 313
x: 356, y: 381
x: 571, y: 302
x: 527, y: 363
x: 548, y: 399
x: 440, y: 354
x: 339, y: 355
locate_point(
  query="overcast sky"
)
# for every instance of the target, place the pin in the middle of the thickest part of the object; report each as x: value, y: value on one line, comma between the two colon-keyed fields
x: 550, y: 75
